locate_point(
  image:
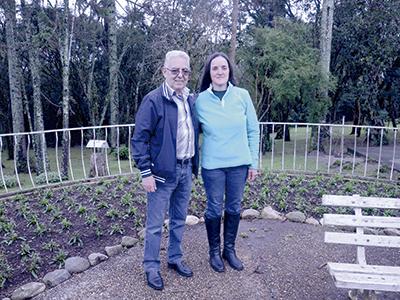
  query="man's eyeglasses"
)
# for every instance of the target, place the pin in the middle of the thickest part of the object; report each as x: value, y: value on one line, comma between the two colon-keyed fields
x: 175, y: 72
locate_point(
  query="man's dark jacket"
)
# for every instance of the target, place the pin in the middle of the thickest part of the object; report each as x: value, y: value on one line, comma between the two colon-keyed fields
x: 154, y: 138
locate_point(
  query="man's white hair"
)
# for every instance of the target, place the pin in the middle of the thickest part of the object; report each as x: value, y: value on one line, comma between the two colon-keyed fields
x: 176, y: 53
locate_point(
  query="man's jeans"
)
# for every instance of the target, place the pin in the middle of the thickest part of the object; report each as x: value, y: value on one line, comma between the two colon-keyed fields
x: 174, y: 195
x: 228, y: 181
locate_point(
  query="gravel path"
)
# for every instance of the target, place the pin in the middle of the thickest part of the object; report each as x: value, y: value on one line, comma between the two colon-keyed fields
x: 283, y: 260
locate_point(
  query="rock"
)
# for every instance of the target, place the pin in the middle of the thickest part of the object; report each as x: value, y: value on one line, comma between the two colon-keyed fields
x: 96, y: 258
x: 269, y: 213
x: 113, y: 250
x: 192, y: 220
x: 28, y: 290
x: 296, y: 216
x: 250, y: 214
x: 373, y: 231
x: 142, y: 233
x: 76, y: 264
x: 391, y: 231
x: 312, y: 221
x: 128, y: 241
x: 202, y: 220
x: 54, y: 278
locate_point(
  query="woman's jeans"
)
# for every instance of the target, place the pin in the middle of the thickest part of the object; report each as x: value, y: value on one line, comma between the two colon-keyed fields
x: 224, y: 181
x: 175, y: 197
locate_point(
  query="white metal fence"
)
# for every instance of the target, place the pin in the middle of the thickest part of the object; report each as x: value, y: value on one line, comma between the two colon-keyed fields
x: 370, y: 152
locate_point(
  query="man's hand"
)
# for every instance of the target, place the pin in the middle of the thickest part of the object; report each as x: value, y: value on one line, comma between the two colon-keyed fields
x: 149, y: 184
x: 252, y: 174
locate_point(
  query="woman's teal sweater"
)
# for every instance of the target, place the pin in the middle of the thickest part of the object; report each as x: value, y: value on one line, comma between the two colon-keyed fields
x: 230, y: 129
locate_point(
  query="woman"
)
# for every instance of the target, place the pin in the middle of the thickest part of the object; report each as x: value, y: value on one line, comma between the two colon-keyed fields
x: 229, y: 154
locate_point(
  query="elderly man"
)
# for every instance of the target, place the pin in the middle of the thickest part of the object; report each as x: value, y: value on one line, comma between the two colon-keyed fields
x: 164, y: 147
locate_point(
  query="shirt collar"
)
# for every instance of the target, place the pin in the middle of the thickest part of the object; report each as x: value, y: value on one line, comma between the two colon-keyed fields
x: 168, y: 92
x: 230, y: 85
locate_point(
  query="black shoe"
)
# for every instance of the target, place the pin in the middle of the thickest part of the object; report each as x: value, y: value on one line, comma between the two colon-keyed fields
x: 213, y: 227
x: 231, y: 225
x: 154, y: 280
x: 181, y: 269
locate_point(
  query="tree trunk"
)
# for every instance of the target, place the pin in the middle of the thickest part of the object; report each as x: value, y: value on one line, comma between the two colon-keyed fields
x: 15, y: 86
x: 326, y: 39
x: 39, y: 140
x: 235, y: 15
x: 113, y: 70
x: 65, y: 60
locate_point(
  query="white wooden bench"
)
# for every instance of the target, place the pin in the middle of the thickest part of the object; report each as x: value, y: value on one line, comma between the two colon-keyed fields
x: 361, y: 278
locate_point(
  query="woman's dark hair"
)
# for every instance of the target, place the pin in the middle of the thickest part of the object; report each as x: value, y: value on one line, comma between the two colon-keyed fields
x: 206, y: 78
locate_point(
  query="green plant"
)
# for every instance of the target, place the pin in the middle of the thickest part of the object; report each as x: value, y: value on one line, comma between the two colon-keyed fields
x: 20, y: 198
x: 60, y: 258
x: 103, y: 204
x: 320, y: 210
x: 51, y: 246
x: 48, y: 194
x: 40, y: 229
x: 75, y: 240
x: 32, y: 264
x: 349, y: 187
x: 99, y: 191
x: 131, y: 211
x: 81, y: 209
x: 98, y: 232
x: 24, y: 249
x: 119, y: 187
x: 116, y: 228
x: 126, y: 199
x: 65, y: 224
x: 6, y: 226
x: 124, y: 180
x: 6, y: 271
x: 112, y: 213
x: 91, y: 220
x: 11, y: 237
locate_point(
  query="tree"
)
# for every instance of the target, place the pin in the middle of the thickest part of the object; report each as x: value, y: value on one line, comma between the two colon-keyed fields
x: 14, y: 76
x: 65, y: 49
x: 32, y: 35
x: 235, y: 14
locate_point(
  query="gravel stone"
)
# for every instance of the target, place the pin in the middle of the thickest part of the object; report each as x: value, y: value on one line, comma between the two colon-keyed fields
x: 296, y: 216
x: 54, y: 278
x: 113, y: 250
x: 96, y: 258
x: 250, y: 214
x: 129, y: 241
x: 28, y: 290
x: 269, y: 213
x: 76, y: 264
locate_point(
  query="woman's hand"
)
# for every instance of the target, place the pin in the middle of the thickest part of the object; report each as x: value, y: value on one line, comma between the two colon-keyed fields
x: 252, y: 174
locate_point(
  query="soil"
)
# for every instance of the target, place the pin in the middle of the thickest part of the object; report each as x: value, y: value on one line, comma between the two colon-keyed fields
x: 40, y: 230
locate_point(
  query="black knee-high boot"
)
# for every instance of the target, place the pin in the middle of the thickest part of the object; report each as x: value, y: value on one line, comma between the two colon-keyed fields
x: 213, y: 227
x: 231, y: 225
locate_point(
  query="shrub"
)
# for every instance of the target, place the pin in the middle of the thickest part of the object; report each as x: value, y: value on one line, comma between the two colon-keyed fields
x: 123, y: 153
x: 52, y: 177
x: 9, y: 181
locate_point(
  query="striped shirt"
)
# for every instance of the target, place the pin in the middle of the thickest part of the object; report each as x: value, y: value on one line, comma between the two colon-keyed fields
x: 185, y: 131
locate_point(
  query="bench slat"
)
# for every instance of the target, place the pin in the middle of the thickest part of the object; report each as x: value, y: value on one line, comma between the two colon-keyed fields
x: 362, y: 240
x: 363, y: 269
x: 363, y: 202
x: 367, y: 281
x: 364, y: 221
